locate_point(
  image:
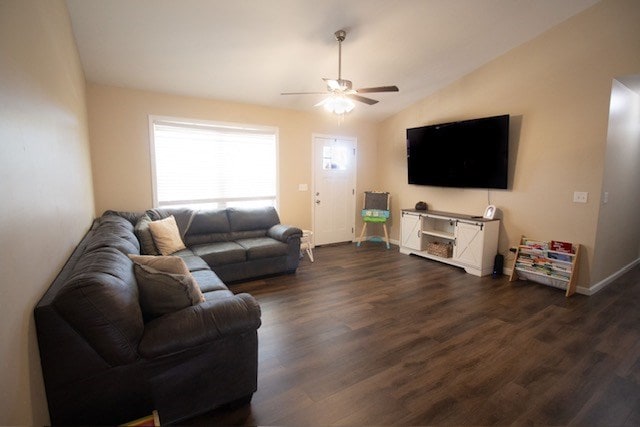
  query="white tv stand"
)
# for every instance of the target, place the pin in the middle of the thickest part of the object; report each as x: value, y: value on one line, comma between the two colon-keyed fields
x: 474, y: 239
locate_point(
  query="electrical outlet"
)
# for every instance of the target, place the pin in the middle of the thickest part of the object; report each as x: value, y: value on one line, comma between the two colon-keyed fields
x: 580, y: 196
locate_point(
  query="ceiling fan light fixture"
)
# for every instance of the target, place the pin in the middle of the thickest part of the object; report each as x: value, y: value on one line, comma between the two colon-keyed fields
x: 338, y: 104
x: 341, y: 92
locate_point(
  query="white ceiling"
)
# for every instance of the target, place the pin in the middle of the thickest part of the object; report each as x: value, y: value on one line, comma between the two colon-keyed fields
x: 252, y: 50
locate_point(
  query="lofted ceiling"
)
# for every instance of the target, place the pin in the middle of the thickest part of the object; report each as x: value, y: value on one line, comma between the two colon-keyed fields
x: 252, y: 50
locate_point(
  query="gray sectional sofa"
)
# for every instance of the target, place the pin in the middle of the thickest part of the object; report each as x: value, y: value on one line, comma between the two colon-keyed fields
x: 105, y: 362
x: 237, y: 244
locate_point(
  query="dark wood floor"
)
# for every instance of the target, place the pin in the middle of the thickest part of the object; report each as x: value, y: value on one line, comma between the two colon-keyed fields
x: 370, y: 336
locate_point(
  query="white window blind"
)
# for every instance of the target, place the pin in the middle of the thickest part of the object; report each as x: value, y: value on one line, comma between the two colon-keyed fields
x: 216, y: 165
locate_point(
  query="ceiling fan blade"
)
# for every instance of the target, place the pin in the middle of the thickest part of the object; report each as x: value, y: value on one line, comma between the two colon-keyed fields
x: 368, y: 101
x: 303, y: 93
x: 378, y: 89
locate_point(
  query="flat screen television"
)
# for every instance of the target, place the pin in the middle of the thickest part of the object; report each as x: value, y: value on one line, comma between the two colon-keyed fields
x: 465, y: 154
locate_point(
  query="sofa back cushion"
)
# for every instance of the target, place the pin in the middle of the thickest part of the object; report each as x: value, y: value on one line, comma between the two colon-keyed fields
x: 182, y: 216
x: 252, y: 219
x: 100, y: 297
x: 143, y: 233
x: 219, y: 225
x: 113, y: 231
x: 208, y: 226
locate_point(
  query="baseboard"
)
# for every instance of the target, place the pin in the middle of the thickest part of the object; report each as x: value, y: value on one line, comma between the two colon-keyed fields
x: 598, y: 286
x: 584, y: 291
x: 608, y: 280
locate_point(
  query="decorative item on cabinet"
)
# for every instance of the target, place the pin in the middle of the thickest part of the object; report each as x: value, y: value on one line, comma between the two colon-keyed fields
x: 489, y: 212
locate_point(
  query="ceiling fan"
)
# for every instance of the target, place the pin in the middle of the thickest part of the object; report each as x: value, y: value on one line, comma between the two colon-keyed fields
x: 341, y: 91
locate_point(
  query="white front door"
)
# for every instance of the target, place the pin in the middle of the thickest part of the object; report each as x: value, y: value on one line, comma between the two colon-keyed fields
x: 334, y: 165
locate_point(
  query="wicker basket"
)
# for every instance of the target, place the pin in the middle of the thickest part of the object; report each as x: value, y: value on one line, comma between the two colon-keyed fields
x: 444, y: 250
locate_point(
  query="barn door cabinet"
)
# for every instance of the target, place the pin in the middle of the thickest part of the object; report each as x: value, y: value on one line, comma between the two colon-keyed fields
x: 461, y: 240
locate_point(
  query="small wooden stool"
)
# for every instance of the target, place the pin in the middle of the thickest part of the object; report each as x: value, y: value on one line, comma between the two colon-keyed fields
x: 306, y: 243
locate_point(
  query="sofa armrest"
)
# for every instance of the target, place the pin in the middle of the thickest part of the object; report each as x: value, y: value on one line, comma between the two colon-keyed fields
x: 199, y: 324
x: 283, y: 232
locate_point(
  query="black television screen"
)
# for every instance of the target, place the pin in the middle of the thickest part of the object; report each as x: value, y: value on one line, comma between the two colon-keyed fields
x: 467, y: 154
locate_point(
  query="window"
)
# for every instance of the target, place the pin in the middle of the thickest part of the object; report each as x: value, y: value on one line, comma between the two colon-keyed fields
x: 335, y: 157
x: 212, y: 165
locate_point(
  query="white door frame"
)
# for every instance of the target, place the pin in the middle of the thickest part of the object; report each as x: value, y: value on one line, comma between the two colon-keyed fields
x: 313, y: 177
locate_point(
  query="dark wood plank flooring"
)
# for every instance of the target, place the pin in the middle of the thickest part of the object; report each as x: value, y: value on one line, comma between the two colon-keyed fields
x: 369, y: 336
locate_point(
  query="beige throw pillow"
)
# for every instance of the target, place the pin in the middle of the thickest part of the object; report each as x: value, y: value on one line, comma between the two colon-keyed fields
x: 167, y: 264
x: 166, y: 235
x: 162, y: 293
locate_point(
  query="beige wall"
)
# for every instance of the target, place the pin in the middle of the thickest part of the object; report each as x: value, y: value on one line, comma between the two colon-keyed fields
x: 119, y: 134
x: 556, y: 89
x: 618, y: 237
x: 45, y: 185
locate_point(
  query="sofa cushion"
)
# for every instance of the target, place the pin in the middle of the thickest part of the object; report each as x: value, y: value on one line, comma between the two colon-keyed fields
x: 218, y: 294
x: 166, y: 235
x: 220, y: 253
x: 143, y: 233
x: 100, y: 301
x: 263, y: 247
x: 162, y: 293
x: 208, y: 281
x: 247, y: 234
x: 194, y: 262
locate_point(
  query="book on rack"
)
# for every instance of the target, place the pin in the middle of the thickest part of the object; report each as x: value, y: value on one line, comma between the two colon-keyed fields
x: 558, y: 246
x: 535, y: 244
x: 559, y: 256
